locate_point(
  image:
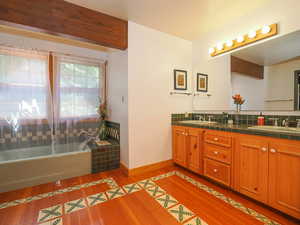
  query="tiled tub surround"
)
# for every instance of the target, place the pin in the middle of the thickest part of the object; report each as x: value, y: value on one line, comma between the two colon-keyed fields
x: 241, y: 122
x: 40, y: 164
x: 54, y: 214
x: 107, y: 157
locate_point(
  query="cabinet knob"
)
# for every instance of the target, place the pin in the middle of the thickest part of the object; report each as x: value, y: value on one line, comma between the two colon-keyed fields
x: 215, y: 170
x: 216, y: 153
x: 264, y: 149
x: 216, y: 139
x: 273, y: 150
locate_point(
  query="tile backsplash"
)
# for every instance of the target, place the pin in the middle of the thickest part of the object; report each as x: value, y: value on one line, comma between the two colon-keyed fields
x: 247, y: 119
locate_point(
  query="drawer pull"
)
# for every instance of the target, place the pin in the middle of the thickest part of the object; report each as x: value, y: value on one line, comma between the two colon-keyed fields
x: 272, y: 150
x: 215, y: 170
x: 264, y: 149
x: 216, y: 139
x: 216, y: 153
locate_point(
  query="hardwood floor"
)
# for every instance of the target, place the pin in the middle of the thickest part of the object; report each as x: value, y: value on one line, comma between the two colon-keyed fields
x: 77, y: 201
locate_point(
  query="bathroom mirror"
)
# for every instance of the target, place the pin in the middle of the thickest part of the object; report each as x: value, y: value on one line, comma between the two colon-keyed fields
x: 267, y: 75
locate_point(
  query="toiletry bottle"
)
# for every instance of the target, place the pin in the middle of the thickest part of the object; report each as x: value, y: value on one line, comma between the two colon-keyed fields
x: 261, y: 120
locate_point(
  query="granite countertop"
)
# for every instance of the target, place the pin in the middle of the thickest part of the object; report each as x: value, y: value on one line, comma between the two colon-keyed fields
x: 243, y: 129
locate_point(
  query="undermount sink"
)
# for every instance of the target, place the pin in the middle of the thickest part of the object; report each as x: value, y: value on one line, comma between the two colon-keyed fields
x: 200, y: 122
x: 276, y: 128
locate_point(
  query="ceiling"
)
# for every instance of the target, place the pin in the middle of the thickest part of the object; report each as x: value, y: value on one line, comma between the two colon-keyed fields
x: 187, y: 19
x: 274, y: 51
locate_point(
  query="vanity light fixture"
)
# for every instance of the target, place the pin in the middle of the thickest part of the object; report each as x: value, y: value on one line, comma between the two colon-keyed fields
x: 211, y: 50
x: 252, y: 34
x: 265, y: 29
x: 220, y: 46
x: 242, y: 40
x: 229, y: 43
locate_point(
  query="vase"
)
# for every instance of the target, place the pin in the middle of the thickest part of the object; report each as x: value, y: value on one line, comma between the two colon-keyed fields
x: 102, y: 130
x: 238, y: 108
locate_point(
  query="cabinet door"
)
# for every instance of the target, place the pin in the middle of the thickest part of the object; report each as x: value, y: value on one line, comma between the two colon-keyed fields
x: 195, y: 150
x: 284, y: 177
x: 180, y: 146
x: 252, y: 178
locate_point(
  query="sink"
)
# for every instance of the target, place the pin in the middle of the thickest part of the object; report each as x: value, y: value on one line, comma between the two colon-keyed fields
x: 199, y: 122
x: 276, y: 129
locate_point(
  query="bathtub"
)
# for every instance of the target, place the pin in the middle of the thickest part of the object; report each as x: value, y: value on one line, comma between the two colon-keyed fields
x: 26, y: 167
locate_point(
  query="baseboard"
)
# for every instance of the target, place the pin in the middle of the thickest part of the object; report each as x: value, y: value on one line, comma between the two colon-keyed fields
x: 147, y: 168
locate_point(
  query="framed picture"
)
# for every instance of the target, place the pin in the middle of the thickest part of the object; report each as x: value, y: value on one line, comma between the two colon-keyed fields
x: 180, y: 80
x: 202, y: 82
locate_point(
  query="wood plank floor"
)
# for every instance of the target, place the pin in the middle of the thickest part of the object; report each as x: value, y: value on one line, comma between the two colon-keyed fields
x: 138, y: 207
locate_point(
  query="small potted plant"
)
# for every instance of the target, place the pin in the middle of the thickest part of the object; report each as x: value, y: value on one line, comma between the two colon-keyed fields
x: 238, y: 101
x: 102, y: 111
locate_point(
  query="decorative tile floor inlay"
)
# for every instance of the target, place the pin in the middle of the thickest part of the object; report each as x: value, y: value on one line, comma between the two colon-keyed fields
x: 75, y: 205
x: 109, y: 181
x: 130, y: 188
x: 155, y: 191
x: 115, y: 193
x: 146, y: 183
x: 53, y: 215
x: 195, y: 221
x: 166, y: 201
x: 57, y: 221
x: 181, y: 213
x: 96, y: 199
x: 50, y: 213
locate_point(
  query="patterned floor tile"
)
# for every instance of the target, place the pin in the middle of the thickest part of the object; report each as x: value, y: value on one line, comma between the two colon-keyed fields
x: 166, y: 201
x: 75, y: 205
x: 57, y: 221
x: 96, y: 199
x: 130, y: 188
x: 50, y: 213
x: 155, y: 191
x: 195, y: 221
x: 146, y: 183
x: 115, y: 193
x: 180, y: 212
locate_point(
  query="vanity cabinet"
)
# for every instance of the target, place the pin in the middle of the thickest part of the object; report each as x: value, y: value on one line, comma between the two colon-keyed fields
x: 284, y: 176
x: 263, y: 168
x: 252, y: 167
x: 187, y: 148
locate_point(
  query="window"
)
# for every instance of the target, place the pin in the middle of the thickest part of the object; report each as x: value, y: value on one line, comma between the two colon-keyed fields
x: 79, y: 89
x: 23, y: 85
x: 28, y: 80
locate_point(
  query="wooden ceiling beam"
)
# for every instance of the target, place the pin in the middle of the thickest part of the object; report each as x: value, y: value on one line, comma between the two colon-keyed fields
x: 64, y: 19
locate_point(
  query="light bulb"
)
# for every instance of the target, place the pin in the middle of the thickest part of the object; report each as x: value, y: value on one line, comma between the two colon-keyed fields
x: 229, y: 43
x: 211, y: 50
x: 265, y: 29
x: 240, y: 39
x: 220, y: 46
x: 252, y: 34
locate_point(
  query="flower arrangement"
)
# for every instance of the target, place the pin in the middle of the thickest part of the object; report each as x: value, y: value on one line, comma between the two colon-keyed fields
x: 102, y: 111
x: 239, y: 101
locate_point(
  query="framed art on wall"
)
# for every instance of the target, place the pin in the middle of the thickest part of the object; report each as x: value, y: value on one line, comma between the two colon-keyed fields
x: 202, y: 82
x: 180, y: 80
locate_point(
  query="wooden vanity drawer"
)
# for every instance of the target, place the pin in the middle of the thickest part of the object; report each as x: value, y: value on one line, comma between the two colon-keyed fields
x: 217, y: 171
x: 218, y: 153
x: 218, y: 139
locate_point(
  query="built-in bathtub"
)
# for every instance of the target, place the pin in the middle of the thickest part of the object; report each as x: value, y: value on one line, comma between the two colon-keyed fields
x: 25, y: 167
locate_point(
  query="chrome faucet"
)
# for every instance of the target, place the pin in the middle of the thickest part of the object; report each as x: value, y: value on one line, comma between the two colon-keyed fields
x: 285, y: 123
x: 275, y: 121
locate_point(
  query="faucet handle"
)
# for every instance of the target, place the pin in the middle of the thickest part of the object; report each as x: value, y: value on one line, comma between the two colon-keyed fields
x: 275, y: 121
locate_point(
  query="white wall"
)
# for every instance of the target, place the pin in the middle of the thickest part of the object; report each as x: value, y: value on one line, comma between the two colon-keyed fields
x: 285, y: 13
x: 38, y: 44
x: 117, y: 96
x: 152, y: 56
x: 280, y: 85
x: 251, y: 89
